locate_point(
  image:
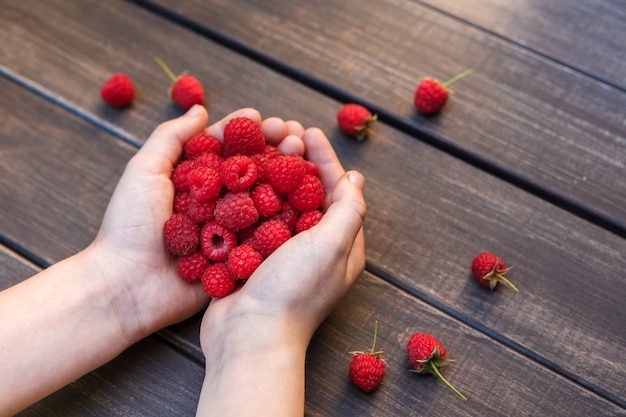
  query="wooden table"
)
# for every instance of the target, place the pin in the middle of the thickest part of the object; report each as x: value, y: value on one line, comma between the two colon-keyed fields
x: 528, y: 159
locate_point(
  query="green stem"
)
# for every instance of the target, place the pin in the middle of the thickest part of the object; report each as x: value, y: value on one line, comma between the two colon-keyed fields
x: 436, y: 371
x: 458, y: 77
x: 165, y: 68
x: 505, y: 279
x: 375, y: 336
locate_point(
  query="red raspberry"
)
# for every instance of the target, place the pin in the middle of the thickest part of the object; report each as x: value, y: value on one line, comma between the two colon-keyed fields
x: 267, y: 201
x: 192, y: 266
x: 179, y: 176
x: 286, y: 173
x: 367, y: 369
x: 271, y: 152
x: 243, y: 261
x: 201, y: 211
x: 489, y: 270
x: 236, y: 211
x: 307, y: 220
x: 311, y: 168
x: 309, y: 195
x: 202, y: 143
x: 118, y: 91
x: 262, y: 163
x: 181, y: 234
x: 431, y: 95
x: 269, y: 236
x: 238, y: 173
x: 204, y: 183
x: 217, y: 241
x: 217, y: 281
x: 243, y: 136
x: 181, y: 202
x: 355, y: 120
x: 288, y: 215
x: 187, y: 91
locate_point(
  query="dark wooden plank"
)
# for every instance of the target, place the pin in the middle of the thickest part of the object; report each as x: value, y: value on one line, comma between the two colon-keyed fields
x: 437, y: 223
x: 496, y: 380
x: 586, y: 35
x: 148, y: 379
x: 554, y: 127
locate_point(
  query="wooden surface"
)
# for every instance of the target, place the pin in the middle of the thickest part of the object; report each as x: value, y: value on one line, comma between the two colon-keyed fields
x: 527, y: 160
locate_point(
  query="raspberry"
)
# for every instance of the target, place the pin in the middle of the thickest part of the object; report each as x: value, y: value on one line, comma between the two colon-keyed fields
x: 210, y: 160
x: 179, y: 176
x: 288, y: 215
x: 431, y: 95
x: 267, y: 201
x: 236, y: 211
x: 202, y: 143
x: 286, y: 173
x: 243, y: 261
x: 192, y: 266
x: 118, y: 91
x: 238, y: 173
x: 262, y: 163
x: 217, y: 281
x: 204, y: 183
x: 186, y: 89
x: 181, y: 235
x: 201, y: 211
x: 243, y: 136
x: 355, y: 120
x: 181, y: 202
x: 307, y: 220
x: 269, y: 236
x: 309, y: 195
x: 217, y: 241
x: 311, y: 168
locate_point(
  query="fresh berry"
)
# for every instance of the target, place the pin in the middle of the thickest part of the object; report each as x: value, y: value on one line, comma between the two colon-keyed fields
x: 431, y: 95
x: 209, y: 160
x: 181, y: 202
x: 204, y: 183
x: 269, y: 236
x: 243, y: 260
x: 243, y: 136
x: 217, y: 281
x: 202, y: 143
x: 238, y: 173
x: 186, y: 89
x: 201, y: 211
x: 217, y: 241
x: 307, y: 220
x: 191, y: 267
x: 357, y: 121
x: 288, y: 215
x: 489, y: 269
x: 181, y: 234
x: 307, y: 196
x: 426, y: 355
x: 179, y: 176
x: 286, y: 173
x: 236, y: 211
x: 118, y: 91
x: 367, y: 369
x: 267, y: 200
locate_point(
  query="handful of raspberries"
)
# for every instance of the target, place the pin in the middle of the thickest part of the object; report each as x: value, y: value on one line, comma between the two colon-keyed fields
x: 236, y: 202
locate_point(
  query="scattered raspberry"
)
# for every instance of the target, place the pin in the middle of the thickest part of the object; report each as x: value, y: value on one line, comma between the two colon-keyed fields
x: 217, y: 241
x: 204, y: 183
x: 191, y: 267
x: 236, y: 211
x: 307, y: 220
x: 238, y: 173
x: 269, y: 236
x: 243, y: 261
x: 217, y: 281
x: 118, y: 91
x: 367, y: 369
x: 431, y: 95
x: 186, y: 89
x: 489, y: 269
x: 267, y: 200
x: 286, y: 173
x: 309, y: 195
x: 426, y: 355
x: 202, y: 143
x: 243, y: 136
x: 181, y: 235
x: 357, y: 121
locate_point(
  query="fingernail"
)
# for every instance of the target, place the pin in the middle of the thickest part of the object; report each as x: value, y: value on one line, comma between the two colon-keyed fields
x: 194, y: 110
x: 356, y: 178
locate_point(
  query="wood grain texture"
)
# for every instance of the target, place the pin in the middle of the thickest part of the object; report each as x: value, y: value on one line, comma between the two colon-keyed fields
x: 586, y: 35
x: 547, y: 123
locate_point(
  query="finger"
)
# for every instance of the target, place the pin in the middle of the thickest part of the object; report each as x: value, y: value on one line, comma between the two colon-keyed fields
x: 274, y: 130
x: 165, y: 144
x: 294, y: 128
x: 217, y: 129
x: 320, y: 151
x: 291, y: 145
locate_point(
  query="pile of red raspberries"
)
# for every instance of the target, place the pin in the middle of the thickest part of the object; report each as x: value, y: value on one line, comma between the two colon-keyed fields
x: 236, y: 202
